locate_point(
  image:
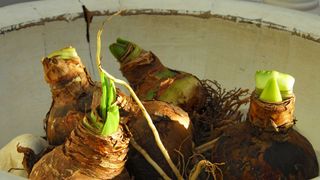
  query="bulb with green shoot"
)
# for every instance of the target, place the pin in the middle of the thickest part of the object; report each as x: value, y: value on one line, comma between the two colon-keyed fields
x: 269, y: 132
x: 273, y: 86
x: 71, y: 89
x: 152, y: 80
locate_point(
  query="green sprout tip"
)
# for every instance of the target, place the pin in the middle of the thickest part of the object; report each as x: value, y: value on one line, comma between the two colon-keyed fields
x: 65, y: 53
x: 273, y: 86
x: 122, y: 48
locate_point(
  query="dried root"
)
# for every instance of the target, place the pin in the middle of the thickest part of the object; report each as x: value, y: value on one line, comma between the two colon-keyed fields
x: 198, y: 167
x: 210, y: 169
x: 221, y: 109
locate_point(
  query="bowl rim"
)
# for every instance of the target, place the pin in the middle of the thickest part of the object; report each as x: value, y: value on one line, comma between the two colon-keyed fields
x: 28, y: 14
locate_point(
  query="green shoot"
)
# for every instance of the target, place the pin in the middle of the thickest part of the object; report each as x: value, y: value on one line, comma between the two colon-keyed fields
x: 118, y: 50
x: 103, y: 103
x: 65, y: 53
x: 271, y: 92
x: 123, y: 47
x: 110, y: 113
x: 273, y: 86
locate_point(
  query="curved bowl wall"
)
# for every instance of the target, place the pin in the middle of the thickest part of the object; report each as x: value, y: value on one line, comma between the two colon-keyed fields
x: 219, y: 40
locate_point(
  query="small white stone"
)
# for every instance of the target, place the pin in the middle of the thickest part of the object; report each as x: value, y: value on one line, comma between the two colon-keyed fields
x: 11, y: 158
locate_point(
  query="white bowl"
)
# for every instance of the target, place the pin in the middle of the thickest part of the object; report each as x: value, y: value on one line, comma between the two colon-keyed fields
x: 220, y: 40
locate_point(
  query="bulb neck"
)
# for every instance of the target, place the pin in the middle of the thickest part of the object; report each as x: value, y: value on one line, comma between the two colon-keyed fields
x: 99, y: 151
x: 272, y: 117
x: 147, y: 64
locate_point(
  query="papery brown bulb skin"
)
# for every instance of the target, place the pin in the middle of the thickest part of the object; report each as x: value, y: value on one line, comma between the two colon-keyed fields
x: 71, y: 89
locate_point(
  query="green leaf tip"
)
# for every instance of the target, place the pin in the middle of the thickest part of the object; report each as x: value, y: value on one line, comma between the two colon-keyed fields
x: 64, y: 53
x: 112, y: 122
x: 271, y: 92
x: 122, y: 49
x: 103, y: 101
x: 269, y: 84
x: 123, y: 41
x: 118, y: 50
